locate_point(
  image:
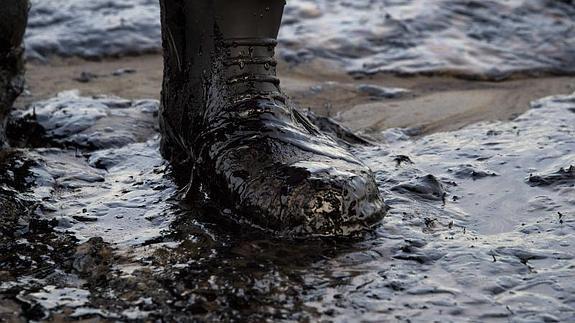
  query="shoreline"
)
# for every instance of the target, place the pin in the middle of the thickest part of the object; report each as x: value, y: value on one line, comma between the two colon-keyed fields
x: 430, y: 104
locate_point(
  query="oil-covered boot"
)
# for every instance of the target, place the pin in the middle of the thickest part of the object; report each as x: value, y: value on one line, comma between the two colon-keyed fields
x: 13, y: 19
x: 225, y: 120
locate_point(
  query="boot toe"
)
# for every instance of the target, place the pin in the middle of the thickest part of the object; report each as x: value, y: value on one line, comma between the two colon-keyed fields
x: 336, y: 202
x: 278, y: 175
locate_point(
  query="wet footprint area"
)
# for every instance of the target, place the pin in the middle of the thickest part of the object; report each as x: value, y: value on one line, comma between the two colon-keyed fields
x: 481, y: 226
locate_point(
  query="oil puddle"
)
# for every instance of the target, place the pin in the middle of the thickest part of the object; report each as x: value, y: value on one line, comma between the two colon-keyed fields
x: 509, y: 172
x: 474, y: 39
x: 51, y: 297
x: 104, y: 174
x: 481, y: 226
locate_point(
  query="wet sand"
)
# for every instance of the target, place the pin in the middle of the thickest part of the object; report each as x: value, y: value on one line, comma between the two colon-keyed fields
x: 430, y: 104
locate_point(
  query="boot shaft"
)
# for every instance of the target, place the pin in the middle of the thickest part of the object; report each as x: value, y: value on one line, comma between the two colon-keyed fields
x: 216, y: 49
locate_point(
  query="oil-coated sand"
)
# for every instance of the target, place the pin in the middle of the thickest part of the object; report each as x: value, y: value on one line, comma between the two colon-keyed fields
x: 429, y: 103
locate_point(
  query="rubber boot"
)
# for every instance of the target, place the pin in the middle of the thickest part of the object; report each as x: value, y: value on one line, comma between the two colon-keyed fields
x: 13, y: 19
x: 226, y: 123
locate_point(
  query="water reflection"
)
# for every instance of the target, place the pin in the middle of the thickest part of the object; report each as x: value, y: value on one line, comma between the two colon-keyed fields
x: 473, y: 39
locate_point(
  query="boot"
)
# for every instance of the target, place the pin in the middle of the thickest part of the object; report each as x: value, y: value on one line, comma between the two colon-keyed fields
x: 13, y: 19
x: 225, y: 120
